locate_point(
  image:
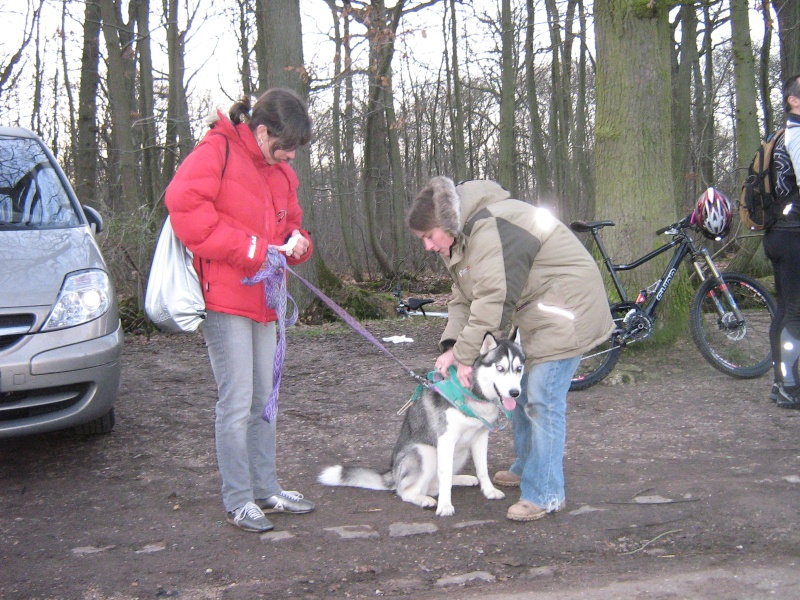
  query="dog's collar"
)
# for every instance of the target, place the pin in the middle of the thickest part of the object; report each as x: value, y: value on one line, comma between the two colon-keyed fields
x: 456, y: 394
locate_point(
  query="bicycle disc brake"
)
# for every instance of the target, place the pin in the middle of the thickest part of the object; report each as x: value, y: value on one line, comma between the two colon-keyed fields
x: 638, y: 326
x: 734, y: 330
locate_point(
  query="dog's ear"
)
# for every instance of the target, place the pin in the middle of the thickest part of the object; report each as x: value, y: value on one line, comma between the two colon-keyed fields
x: 516, y: 337
x: 489, y: 343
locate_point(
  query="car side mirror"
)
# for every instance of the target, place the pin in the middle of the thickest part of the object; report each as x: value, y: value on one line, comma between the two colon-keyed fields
x: 94, y: 218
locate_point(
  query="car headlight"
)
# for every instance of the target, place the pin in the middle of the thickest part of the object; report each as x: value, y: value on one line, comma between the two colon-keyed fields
x: 85, y: 295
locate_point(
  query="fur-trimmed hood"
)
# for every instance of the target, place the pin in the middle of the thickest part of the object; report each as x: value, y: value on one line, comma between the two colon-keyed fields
x: 456, y: 204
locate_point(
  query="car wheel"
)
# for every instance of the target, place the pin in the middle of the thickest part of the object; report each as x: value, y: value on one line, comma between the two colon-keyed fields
x: 100, y: 425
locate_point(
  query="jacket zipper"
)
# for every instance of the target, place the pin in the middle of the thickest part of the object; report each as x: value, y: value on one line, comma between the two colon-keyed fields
x: 202, y: 278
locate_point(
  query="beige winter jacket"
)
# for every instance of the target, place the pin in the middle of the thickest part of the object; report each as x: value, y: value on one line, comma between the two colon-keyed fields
x: 514, y: 265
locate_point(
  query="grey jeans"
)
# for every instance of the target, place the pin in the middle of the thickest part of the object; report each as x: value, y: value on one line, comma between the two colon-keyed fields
x: 242, y: 353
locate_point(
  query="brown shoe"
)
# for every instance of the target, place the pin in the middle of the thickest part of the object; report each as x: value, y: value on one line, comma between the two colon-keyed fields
x: 528, y: 511
x: 506, y: 478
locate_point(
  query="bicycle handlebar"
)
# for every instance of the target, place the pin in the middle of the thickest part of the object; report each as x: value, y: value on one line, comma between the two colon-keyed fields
x: 682, y: 224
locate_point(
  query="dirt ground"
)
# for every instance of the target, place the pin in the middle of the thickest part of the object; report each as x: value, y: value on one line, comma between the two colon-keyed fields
x: 683, y: 483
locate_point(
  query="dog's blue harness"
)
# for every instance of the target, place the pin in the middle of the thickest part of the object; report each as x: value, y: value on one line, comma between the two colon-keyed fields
x: 451, y: 390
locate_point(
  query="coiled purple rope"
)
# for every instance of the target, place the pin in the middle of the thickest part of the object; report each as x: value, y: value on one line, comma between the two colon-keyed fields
x: 276, y: 294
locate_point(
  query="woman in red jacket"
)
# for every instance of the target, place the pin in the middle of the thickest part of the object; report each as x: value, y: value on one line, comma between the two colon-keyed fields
x: 233, y: 197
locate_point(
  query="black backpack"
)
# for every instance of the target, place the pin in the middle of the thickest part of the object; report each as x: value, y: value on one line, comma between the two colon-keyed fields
x: 759, y: 207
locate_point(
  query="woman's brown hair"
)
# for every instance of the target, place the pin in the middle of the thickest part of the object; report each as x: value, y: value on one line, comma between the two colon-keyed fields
x: 282, y: 112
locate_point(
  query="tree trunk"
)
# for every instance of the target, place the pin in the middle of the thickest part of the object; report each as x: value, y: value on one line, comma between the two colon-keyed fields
x: 397, y: 187
x: 764, y: 85
x: 508, y: 88
x: 285, y: 68
x: 73, y: 128
x: 456, y: 106
x: 705, y: 127
x: 342, y: 175
x: 559, y: 142
x: 747, y: 134
x: 379, y: 203
x: 789, y: 33
x: 633, y: 131
x: 124, y: 184
x: 585, y: 203
x: 179, y: 138
x: 683, y: 65
x: 86, y: 151
x: 145, y: 124
x: 541, y: 167
x: 245, y: 11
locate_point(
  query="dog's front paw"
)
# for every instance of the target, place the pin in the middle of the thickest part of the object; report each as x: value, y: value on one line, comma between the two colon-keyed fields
x: 420, y: 500
x: 445, y: 510
x: 493, y: 493
x: 465, y: 480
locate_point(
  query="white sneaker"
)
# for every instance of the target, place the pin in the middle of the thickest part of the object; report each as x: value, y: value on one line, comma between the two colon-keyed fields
x: 250, y: 518
x: 290, y: 502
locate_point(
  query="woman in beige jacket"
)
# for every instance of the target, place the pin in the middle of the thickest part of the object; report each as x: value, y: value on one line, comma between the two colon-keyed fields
x: 514, y: 264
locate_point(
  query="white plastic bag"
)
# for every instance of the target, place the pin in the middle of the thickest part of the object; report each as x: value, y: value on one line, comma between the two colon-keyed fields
x: 174, y: 300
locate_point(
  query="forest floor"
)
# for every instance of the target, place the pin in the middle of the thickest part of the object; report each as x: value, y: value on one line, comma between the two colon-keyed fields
x: 682, y: 482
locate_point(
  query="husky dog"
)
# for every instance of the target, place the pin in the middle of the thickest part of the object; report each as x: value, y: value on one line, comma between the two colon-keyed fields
x: 436, y: 438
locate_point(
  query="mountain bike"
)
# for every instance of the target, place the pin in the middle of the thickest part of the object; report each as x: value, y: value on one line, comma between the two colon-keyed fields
x: 729, y: 315
x: 413, y: 306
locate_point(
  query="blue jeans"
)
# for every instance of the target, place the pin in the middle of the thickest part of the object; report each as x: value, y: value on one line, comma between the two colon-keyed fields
x: 540, y: 428
x: 242, y: 352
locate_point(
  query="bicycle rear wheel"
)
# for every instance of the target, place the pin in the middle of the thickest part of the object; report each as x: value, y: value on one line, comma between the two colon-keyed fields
x: 737, y: 348
x: 598, y: 362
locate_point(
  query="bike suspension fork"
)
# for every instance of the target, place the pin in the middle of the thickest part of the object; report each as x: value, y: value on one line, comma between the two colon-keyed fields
x: 711, y: 272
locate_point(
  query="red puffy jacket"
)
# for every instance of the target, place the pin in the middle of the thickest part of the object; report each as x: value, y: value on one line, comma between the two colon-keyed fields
x: 227, y: 205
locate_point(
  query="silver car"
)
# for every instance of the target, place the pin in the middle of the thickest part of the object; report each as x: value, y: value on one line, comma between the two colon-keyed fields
x: 60, y: 332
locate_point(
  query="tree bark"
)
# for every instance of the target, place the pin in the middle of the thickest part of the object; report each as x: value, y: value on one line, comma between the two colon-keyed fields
x: 747, y: 134
x: 124, y: 183
x: 179, y: 140
x: 541, y: 168
x: 86, y: 151
x: 343, y: 173
x: 379, y: 204
x: 633, y: 130
x: 683, y: 66
x: 789, y: 32
x: 584, y: 204
x: 285, y: 68
x: 456, y: 103
x: 506, y: 149
x: 145, y: 124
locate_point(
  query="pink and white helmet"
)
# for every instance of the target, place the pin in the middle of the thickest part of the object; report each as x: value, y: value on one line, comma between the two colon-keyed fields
x: 712, y: 214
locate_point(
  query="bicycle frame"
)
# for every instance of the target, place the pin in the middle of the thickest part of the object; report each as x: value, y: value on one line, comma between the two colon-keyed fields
x: 684, y: 246
x: 716, y: 322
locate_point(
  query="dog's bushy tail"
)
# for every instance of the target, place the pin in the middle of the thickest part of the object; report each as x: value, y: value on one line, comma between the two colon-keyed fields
x: 356, y: 477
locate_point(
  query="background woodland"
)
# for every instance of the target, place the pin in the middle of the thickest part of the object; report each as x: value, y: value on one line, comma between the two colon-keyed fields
x: 613, y: 109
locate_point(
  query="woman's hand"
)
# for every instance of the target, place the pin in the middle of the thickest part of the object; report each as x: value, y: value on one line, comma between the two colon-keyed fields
x: 301, y: 247
x: 446, y: 360
x: 464, y: 375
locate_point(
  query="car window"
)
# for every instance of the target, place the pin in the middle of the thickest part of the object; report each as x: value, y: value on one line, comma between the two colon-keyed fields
x: 31, y: 193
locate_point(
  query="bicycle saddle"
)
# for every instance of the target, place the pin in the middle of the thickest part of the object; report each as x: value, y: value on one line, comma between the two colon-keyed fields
x: 584, y: 226
x: 417, y: 303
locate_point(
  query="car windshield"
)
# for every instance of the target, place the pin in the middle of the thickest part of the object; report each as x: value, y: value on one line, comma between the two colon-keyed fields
x: 31, y: 193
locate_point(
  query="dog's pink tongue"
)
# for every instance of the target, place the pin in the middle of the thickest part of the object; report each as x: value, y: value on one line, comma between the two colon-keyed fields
x: 509, y: 403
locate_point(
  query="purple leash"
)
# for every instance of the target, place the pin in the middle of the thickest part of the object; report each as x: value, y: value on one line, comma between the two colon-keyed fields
x: 347, y: 318
x: 274, y: 279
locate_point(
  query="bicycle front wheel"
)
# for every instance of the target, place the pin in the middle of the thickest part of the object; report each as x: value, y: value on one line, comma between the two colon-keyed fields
x: 736, y: 347
x: 598, y: 362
